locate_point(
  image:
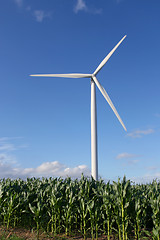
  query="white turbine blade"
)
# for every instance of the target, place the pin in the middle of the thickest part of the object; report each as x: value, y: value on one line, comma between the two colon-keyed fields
x: 68, y: 75
x: 108, y: 56
x: 104, y: 93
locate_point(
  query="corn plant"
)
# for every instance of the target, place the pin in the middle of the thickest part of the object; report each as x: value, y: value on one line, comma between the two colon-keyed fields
x: 155, y: 205
x: 54, y: 204
x: 10, y: 205
x: 120, y: 209
x: 37, y: 212
x: 122, y: 200
x: 106, y: 193
x: 85, y: 193
x: 1, y: 199
x: 37, y: 209
x: 69, y: 206
x: 90, y: 207
x: 97, y: 214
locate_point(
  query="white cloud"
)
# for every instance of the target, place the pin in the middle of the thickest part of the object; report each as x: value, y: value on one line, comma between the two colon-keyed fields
x: 81, y: 6
x: 125, y: 156
x: 19, y: 3
x: 140, y: 133
x: 128, y: 159
x: 77, y: 171
x: 4, y: 139
x: 7, y: 146
x: 56, y: 169
x: 9, y: 166
x: 46, y: 169
x: 7, y: 158
x: 40, y: 15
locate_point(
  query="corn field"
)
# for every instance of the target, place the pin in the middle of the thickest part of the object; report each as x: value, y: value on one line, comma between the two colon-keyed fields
x: 118, y: 210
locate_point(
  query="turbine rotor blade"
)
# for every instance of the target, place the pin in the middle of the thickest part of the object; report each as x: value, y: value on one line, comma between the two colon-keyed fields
x: 108, y: 56
x: 68, y: 75
x: 105, y: 95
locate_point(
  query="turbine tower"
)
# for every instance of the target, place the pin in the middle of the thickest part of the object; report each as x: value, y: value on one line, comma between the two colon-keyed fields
x: 94, y: 81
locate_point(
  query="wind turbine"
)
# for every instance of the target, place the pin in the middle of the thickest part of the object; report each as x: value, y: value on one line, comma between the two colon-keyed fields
x: 94, y: 81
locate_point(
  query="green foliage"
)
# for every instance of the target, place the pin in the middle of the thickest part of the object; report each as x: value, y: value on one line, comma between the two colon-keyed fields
x: 123, y: 209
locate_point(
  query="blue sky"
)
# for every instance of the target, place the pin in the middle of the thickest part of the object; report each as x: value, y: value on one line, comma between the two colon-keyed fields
x: 45, y: 122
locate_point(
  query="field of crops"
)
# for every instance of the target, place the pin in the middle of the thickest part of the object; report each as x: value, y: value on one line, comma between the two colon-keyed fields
x: 119, y: 210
